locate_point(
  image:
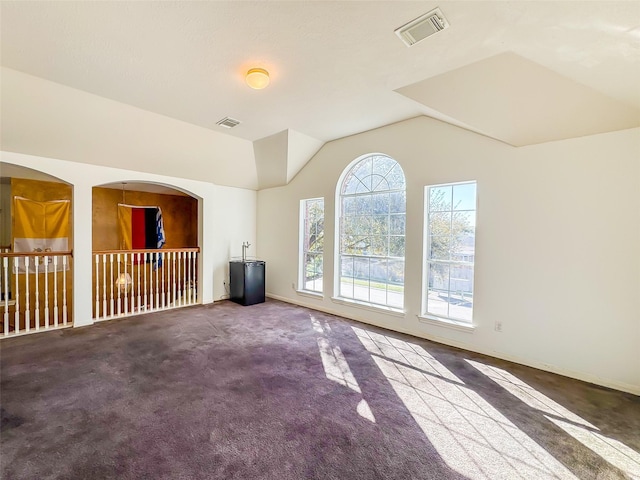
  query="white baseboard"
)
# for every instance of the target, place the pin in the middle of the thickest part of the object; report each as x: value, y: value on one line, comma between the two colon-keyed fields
x: 585, y: 377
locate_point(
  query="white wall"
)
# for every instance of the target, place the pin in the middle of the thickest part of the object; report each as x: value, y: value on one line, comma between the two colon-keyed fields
x: 47, y: 119
x: 557, y: 249
x: 227, y: 218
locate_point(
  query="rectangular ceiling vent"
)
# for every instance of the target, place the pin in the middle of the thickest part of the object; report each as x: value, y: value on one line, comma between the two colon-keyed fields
x: 422, y: 27
x: 228, y: 122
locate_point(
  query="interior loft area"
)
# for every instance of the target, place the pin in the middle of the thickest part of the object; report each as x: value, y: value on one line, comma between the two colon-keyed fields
x: 296, y: 231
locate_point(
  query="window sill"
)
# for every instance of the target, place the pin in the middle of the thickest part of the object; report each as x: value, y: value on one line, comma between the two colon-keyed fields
x: 447, y: 323
x: 309, y: 293
x: 10, y: 303
x: 396, y: 312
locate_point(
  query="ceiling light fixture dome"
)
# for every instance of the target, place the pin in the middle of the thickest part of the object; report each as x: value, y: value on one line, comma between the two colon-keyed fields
x: 257, y: 78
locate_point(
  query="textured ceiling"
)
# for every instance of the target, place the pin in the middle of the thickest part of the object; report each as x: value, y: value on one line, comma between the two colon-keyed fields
x: 335, y: 66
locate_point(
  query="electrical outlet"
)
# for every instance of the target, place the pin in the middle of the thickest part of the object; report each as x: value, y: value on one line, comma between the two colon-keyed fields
x: 498, y: 326
x: 293, y: 285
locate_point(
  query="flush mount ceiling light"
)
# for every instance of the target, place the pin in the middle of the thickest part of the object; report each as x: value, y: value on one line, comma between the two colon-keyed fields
x: 257, y: 78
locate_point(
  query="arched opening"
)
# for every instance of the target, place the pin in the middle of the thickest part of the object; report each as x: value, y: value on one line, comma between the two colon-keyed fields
x: 36, y: 263
x: 145, y: 248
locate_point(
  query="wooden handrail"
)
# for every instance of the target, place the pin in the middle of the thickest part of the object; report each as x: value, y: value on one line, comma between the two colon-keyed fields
x: 37, y: 254
x: 147, y: 250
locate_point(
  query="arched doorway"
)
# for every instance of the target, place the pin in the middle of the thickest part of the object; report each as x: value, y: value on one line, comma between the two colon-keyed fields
x: 145, y: 249
x: 36, y: 263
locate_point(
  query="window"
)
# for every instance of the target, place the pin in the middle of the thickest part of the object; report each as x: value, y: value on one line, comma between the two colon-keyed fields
x: 372, y: 206
x: 311, y: 244
x: 450, y: 250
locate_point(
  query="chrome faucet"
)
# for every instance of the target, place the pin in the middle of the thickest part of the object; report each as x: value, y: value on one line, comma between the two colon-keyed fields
x: 245, y: 246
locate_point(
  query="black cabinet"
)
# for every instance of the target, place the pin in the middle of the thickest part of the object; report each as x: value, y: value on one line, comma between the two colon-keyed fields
x: 247, y: 281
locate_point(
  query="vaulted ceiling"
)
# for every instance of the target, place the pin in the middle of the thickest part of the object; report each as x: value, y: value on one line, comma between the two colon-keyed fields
x: 520, y: 72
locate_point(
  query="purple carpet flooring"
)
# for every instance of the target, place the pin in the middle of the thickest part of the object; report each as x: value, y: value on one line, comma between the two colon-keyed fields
x: 276, y: 391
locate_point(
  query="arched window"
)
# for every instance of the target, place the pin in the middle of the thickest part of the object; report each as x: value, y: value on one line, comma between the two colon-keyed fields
x: 371, y: 217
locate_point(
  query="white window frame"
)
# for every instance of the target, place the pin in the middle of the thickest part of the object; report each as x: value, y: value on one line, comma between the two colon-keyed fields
x: 302, y: 286
x: 462, y: 323
x: 337, y: 297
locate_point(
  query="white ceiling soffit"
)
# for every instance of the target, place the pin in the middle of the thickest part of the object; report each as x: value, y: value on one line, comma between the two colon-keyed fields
x: 281, y: 156
x: 519, y: 102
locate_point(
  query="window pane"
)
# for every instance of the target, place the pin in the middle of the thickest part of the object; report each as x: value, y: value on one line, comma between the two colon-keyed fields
x: 349, y: 205
x: 463, y: 220
x: 380, y: 225
x: 397, y: 224
x: 464, y: 196
x: 440, y: 198
x: 438, y: 290
x: 396, y: 246
x: 361, y: 279
x: 396, y: 272
x: 395, y: 296
x: 346, y: 287
x: 440, y: 223
x: 364, y: 185
x: 398, y: 202
x: 350, y: 184
x: 379, y: 245
x: 439, y: 247
x: 380, y: 204
x: 346, y: 277
x: 378, y: 281
x: 379, y: 183
x: 396, y: 178
x: 363, y: 169
x: 461, y: 295
x: 382, y: 165
x: 363, y: 205
x: 463, y: 248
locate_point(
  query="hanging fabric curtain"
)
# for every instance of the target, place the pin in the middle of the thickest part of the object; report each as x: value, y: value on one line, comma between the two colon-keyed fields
x: 140, y: 227
x: 40, y: 227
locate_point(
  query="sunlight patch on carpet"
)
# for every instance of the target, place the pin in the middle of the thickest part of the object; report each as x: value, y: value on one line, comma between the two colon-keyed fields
x: 470, y: 435
x: 336, y: 367
x: 613, y: 451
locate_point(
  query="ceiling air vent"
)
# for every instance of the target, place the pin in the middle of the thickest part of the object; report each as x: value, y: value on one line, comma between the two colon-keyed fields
x: 422, y: 27
x: 228, y: 122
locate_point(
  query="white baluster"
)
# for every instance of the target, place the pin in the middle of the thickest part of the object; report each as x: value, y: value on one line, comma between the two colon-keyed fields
x: 5, y: 269
x: 157, y: 267
x: 104, y: 285
x: 164, y: 269
x: 64, y: 290
x: 195, y: 276
x: 153, y: 267
x: 145, y: 256
x: 46, y: 291
x: 118, y: 280
x: 138, y: 263
x: 111, y: 283
x: 184, y: 276
x: 126, y: 287
x: 97, y: 277
x: 16, y: 317
x: 175, y: 289
x: 27, y: 307
x: 37, y: 310
x: 55, y: 291
x: 187, y: 281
